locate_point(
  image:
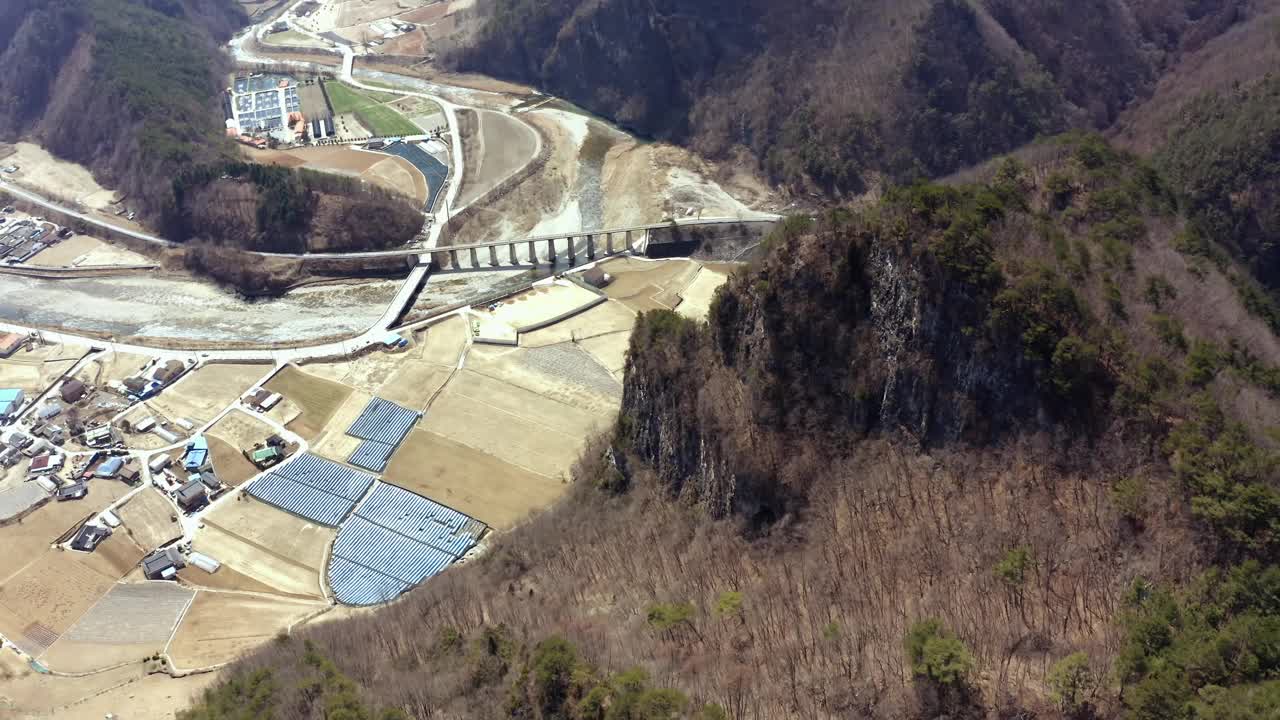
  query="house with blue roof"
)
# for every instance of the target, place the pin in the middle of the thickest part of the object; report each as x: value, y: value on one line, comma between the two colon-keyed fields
x: 11, y: 400
x: 197, y: 453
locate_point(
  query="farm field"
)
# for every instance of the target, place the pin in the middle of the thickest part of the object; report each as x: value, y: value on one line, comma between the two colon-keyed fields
x: 203, y: 393
x: 25, y: 542
x: 79, y: 250
x: 149, y: 520
x: 541, y: 304
x: 345, y: 98
x: 696, y: 299
x: 333, y: 442
x: 606, y: 318
x: 470, y: 481
x: 293, y: 38
x: 235, y: 432
x: 267, y: 544
x: 647, y: 285
x: 219, y: 626
x: 34, y: 370
x: 388, y: 171
x: 316, y: 399
x: 382, y: 121
x: 504, y: 144
x: 43, y: 600
x: 514, y: 424
x: 112, y: 366
x: 131, y: 622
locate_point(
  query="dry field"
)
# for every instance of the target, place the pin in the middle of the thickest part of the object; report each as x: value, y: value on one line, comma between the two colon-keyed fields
x: 503, y: 145
x: 47, y: 597
x: 132, y: 622
x: 524, y: 427
x: 354, y: 12
x: 470, y: 481
x: 649, y: 285
x: 267, y: 544
x: 36, y: 369
x: 201, y: 395
x: 235, y: 432
x: 28, y: 695
x: 541, y: 304
x: 149, y: 519
x: 24, y: 542
x: 399, y: 175
x: 608, y: 318
x: 112, y: 366
x: 220, y: 626
x: 316, y: 399
x: 696, y: 299
x: 333, y: 442
x: 225, y: 579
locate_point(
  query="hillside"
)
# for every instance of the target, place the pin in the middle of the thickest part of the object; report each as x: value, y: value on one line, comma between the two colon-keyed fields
x: 834, y: 95
x: 987, y: 449
x: 130, y: 89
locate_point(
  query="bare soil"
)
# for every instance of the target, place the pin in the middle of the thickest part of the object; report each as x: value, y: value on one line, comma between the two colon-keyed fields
x: 28, y: 695
x: 504, y: 145
x: 201, y: 395
x: 35, y: 369
x: 268, y: 544
x: 149, y: 519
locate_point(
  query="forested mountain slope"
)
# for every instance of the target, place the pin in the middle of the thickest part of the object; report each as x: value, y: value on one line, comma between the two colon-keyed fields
x: 1001, y: 448
x: 131, y: 89
x: 833, y: 94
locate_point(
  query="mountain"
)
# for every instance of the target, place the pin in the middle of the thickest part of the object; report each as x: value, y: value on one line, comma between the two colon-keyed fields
x: 834, y: 96
x: 1000, y: 447
x: 131, y: 89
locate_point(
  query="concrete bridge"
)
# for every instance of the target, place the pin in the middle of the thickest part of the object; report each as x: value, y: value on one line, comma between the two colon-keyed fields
x: 574, y: 249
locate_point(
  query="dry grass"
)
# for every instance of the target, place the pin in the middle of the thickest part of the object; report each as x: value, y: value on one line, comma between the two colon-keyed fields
x: 202, y: 394
x: 219, y: 627
x: 149, y: 519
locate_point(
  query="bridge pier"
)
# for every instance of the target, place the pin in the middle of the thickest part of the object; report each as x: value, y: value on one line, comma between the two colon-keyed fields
x: 475, y: 258
x: 511, y: 253
x: 533, y: 253
x: 493, y: 255
x: 608, y: 243
x: 591, y: 247
x: 453, y: 259
x: 573, y: 252
x: 630, y: 247
x: 551, y: 252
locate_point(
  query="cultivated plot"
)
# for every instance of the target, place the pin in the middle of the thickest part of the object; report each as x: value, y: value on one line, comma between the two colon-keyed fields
x: 149, y: 519
x: 271, y: 546
x: 219, y: 626
x: 131, y: 622
x: 235, y: 432
x: 202, y: 394
x: 505, y: 145
x: 24, y: 543
x: 696, y: 299
x: 316, y: 399
x: 112, y: 367
x: 543, y: 305
x: 491, y: 490
x: 646, y: 285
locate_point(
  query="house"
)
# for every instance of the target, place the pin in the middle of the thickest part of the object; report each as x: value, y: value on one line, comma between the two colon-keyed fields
x: 88, y: 538
x: 45, y: 464
x: 72, y: 390
x: 52, y: 410
x: 131, y: 474
x: 267, y: 456
x: 11, y: 400
x: 210, y: 481
x: 144, y: 424
x: 135, y: 385
x: 163, y: 564
x: 110, y: 468
x: 99, y: 436
x: 74, y: 491
x: 169, y: 372
x: 192, y: 495
x: 11, y: 343
x: 197, y: 453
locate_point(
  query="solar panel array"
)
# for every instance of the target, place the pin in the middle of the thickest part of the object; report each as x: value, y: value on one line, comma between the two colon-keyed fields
x: 314, y: 488
x: 395, y: 540
x: 372, y: 455
x: 383, y: 421
x: 382, y: 426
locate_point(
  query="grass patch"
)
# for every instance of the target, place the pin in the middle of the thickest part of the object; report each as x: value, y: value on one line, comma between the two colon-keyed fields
x: 382, y: 120
x: 346, y: 98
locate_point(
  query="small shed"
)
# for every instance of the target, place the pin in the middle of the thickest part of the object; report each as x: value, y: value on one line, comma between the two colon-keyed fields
x: 144, y: 424
x: 267, y: 456
x: 211, y: 481
x: 51, y: 410
x: 204, y: 562
x: 159, y: 462
x: 72, y: 390
x: 130, y: 473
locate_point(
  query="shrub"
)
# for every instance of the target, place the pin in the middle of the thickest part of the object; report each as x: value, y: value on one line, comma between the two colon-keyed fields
x: 1070, y: 679
x: 1012, y: 568
x: 935, y: 654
